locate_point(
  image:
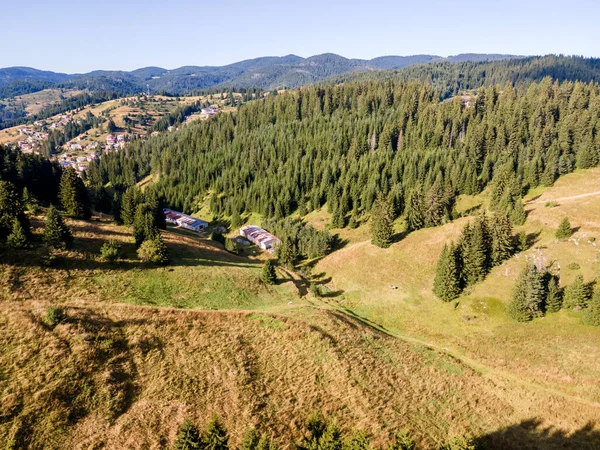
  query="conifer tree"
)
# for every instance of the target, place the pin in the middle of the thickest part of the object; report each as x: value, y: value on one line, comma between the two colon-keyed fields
x: 576, y: 294
x: 154, y: 250
x: 73, y: 195
x: 189, y: 437
x: 286, y: 253
x: 592, y: 314
x: 446, y: 284
x: 144, y: 224
x: 215, y: 437
x: 236, y: 219
x: 268, y: 274
x: 129, y: 206
x: 382, y: 222
x: 250, y: 440
x: 502, y: 240
x: 10, y: 207
x: 475, y: 249
x: 56, y: 232
x: 415, y: 214
x: 19, y: 236
x: 528, y: 296
x: 564, y: 230
x: 338, y: 219
x: 30, y: 202
x: 116, y: 208
x: 518, y: 215
x: 402, y: 441
x: 554, y: 295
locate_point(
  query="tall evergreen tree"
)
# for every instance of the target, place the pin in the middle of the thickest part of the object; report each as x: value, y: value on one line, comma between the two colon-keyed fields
x: 446, y: 284
x: 502, y: 239
x: 576, y: 294
x: 129, y: 206
x: 592, y: 314
x: 144, y: 224
x: 19, y: 236
x: 189, y: 437
x: 268, y: 274
x: 10, y: 207
x: 382, y: 222
x: 215, y: 437
x: 475, y: 250
x: 528, y: 296
x: 73, y: 195
x: 56, y: 232
x: 415, y: 210
x: 554, y: 295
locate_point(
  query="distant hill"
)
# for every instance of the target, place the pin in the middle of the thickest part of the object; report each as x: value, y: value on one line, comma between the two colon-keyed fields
x: 270, y: 72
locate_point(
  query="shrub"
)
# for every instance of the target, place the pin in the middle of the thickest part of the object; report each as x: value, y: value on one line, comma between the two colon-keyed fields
x: 551, y: 204
x: 154, y: 251
x: 218, y: 237
x: 573, y: 266
x: 110, y: 251
x: 54, y: 315
x: 315, y: 289
x: 231, y: 246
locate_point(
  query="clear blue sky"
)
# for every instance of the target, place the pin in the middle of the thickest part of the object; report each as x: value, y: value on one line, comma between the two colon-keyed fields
x: 79, y: 36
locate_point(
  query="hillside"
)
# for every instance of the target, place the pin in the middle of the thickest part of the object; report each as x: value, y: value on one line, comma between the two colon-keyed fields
x: 114, y: 375
x: 476, y: 327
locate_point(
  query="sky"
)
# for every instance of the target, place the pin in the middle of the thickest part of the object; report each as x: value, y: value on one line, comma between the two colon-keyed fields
x: 80, y: 36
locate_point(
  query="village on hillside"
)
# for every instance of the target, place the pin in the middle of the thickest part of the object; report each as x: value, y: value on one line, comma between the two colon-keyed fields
x: 130, y: 119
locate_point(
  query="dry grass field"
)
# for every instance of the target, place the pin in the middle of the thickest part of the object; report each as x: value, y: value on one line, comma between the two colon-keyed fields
x: 556, y: 353
x: 143, y: 347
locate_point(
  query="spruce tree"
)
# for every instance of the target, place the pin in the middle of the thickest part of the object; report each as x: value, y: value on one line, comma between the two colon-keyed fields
x: 268, y: 274
x: 528, y: 296
x: 10, y: 207
x: 576, y: 294
x: 116, y: 208
x: 129, y: 206
x: 446, y: 284
x: 592, y: 313
x: 564, y: 230
x: 154, y: 250
x: 215, y: 437
x: 415, y: 211
x: 554, y: 295
x: 73, y: 195
x: 144, y: 224
x: 475, y: 250
x: 403, y: 441
x: 189, y: 437
x: 56, y: 232
x: 286, y: 253
x: 502, y: 239
x: 19, y: 236
x: 250, y: 440
x: 382, y: 222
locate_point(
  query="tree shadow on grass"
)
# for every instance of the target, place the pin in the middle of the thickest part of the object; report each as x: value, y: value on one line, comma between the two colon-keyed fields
x: 531, y: 434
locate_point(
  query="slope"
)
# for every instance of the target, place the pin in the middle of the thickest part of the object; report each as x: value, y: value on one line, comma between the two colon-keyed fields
x: 557, y: 352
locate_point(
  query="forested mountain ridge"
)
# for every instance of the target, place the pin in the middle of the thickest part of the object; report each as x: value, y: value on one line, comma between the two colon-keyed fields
x: 265, y: 72
x: 464, y: 74
x: 344, y: 144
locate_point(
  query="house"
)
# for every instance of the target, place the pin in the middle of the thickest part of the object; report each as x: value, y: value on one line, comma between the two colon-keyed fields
x: 209, y: 112
x: 184, y: 221
x: 111, y: 140
x: 261, y: 238
x: 74, y: 146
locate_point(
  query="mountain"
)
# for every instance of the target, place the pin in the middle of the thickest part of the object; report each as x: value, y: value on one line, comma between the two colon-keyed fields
x: 269, y: 72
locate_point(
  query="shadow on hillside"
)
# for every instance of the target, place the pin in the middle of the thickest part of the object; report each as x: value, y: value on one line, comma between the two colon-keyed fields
x: 530, y: 434
x: 399, y: 236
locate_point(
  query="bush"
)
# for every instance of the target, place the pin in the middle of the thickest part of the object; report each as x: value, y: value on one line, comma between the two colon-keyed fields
x: 154, y: 251
x: 573, y: 266
x: 231, y: 246
x: 110, y: 251
x: 54, y: 315
x: 218, y: 237
x: 551, y: 204
x: 315, y: 289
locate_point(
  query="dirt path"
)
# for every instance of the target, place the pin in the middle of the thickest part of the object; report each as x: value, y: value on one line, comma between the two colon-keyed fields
x: 564, y: 199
